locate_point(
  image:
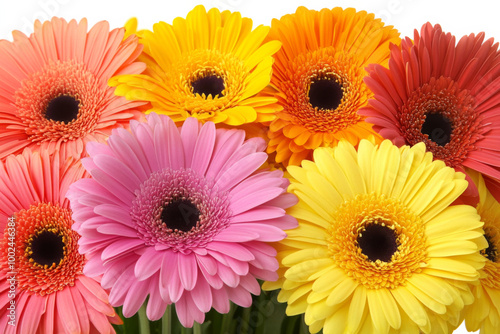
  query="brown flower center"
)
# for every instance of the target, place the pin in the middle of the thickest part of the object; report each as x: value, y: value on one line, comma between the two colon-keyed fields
x: 63, y: 108
x: 47, y: 248
x: 62, y: 102
x: 438, y: 128
x: 47, y: 257
x: 441, y: 115
x: 319, y: 82
x: 325, y: 94
x: 378, y: 242
x: 491, y: 253
x: 180, y: 214
x: 208, y: 85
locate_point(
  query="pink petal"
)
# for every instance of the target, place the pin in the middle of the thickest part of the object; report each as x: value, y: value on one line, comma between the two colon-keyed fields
x: 226, y: 144
x: 94, y: 295
x: 66, y: 310
x: 213, y: 280
x: 148, y: 264
x: 240, y: 296
x: 204, y: 147
x: 240, y: 170
x: 121, y: 246
x: 156, y: 305
x: 254, y: 199
x: 81, y: 306
x: 234, y: 250
x: 188, y: 271
x: 234, y: 234
x: 262, y: 212
x: 207, y: 263
x: 169, y: 278
x: 202, y: 296
x: 221, y: 300
x: 36, y: 305
x: 121, y: 286
x: 228, y: 276
x: 189, y: 134
x: 136, y: 295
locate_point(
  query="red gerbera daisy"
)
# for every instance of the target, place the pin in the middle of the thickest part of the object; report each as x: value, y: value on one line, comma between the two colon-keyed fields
x: 444, y: 94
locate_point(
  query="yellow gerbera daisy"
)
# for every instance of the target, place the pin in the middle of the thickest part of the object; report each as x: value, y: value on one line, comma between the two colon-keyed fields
x: 378, y: 249
x: 210, y: 65
x: 319, y: 74
x: 484, y: 313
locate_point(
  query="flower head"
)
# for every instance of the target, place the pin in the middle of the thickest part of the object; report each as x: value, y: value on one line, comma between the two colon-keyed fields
x: 210, y: 65
x: 54, y: 91
x: 319, y: 75
x: 35, y: 223
x: 181, y: 214
x: 484, y: 313
x: 444, y: 94
x: 378, y: 248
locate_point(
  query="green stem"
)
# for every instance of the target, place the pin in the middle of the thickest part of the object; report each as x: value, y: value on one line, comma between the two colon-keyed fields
x: 226, y: 320
x: 185, y: 330
x: 245, y: 322
x: 303, y: 326
x: 143, y: 320
x: 166, y: 321
x: 196, y: 328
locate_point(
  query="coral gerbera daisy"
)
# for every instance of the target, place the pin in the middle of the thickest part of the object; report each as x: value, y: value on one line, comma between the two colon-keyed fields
x: 444, y: 94
x: 40, y: 267
x: 211, y: 66
x: 319, y: 74
x: 378, y: 249
x: 54, y: 92
x: 484, y: 313
x: 181, y: 214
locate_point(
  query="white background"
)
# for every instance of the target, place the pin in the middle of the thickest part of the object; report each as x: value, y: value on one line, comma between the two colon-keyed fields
x: 458, y: 17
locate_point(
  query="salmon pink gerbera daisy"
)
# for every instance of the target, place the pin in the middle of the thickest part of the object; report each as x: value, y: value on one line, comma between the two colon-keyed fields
x: 39, y: 252
x: 181, y: 214
x: 445, y: 94
x: 54, y: 91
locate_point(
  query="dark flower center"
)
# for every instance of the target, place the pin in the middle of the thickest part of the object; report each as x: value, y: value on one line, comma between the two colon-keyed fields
x: 491, y: 252
x: 325, y: 94
x: 63, y: 108
x: 378, y: 242
x: 209, y: 85
x: 181, y: 215
x: 47, y: 248
x: 438, y: 127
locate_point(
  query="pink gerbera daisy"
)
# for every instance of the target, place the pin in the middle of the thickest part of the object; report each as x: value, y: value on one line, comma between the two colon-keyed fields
x: 181, y: 214
x: 39, y: 252
x: 444, y: 94
x: 54, y: 91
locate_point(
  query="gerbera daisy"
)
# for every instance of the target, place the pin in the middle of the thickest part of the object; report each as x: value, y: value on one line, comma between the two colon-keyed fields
x: 378, y: 248
x: 211, y: 66
x: 484, y: 313
x: 444, y: 94
x: 39, y: 257
x: 54, y: 91
x: 319, y: 75
x: 181, y: 214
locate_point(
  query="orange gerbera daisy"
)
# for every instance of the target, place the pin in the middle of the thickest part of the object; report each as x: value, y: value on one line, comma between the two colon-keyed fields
x: 54, y: 91
x: 319, y: 74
